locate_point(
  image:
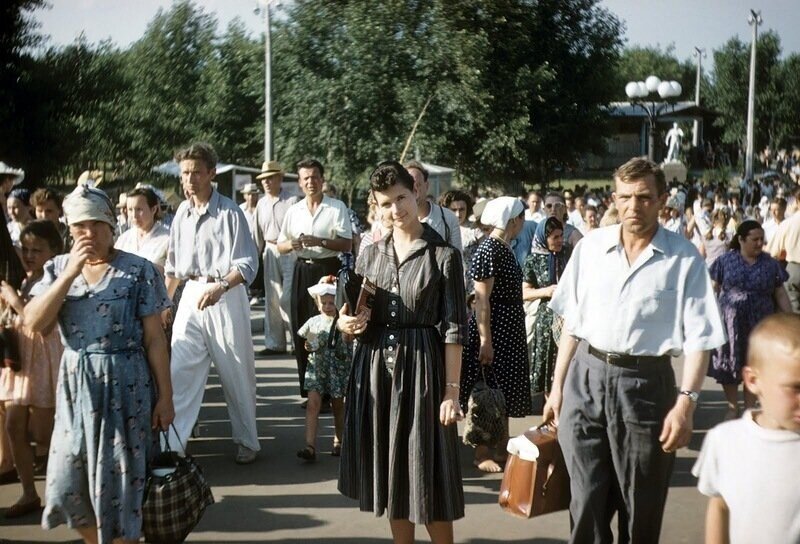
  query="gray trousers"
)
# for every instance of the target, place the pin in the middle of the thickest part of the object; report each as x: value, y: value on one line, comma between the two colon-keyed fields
x: 278, y: 270
x: 793, y: 285
x: 609, y: 425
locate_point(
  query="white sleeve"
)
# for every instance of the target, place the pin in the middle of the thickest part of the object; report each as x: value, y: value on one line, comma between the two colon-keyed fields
x: 706, y: 468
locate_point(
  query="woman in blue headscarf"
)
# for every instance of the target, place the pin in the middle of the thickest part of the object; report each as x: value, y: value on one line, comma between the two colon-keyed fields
x: 541, y: 272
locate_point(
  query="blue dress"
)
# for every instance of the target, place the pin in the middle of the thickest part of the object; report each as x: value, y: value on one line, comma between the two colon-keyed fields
x: 102, y: 440
x: 745, y: 298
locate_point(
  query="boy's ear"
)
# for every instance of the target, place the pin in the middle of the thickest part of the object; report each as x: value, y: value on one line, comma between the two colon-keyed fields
x: 751, y: 379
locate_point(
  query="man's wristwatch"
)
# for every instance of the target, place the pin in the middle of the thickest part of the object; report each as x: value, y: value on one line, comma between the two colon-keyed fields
x: 225, y: 284
x: 324, y: 243
x: 693, y: 395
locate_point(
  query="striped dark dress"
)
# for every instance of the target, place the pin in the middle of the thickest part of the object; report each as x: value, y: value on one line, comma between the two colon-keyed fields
x: 396, y: 455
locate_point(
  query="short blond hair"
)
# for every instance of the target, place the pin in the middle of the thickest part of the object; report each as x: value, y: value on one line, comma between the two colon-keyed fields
x: 778, y: 331
x: 639, y: 168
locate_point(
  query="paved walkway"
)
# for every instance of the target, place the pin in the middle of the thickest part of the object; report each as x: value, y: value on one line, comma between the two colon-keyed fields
x: 280, y: 499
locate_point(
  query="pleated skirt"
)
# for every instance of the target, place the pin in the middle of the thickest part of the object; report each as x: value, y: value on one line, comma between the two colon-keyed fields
x: 396, y: 455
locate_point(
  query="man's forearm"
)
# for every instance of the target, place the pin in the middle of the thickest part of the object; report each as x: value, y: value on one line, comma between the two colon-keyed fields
x: 566, y: 351
x: 695, y: 365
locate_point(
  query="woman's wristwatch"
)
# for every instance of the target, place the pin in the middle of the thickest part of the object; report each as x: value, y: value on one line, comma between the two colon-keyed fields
x: 693, y: 395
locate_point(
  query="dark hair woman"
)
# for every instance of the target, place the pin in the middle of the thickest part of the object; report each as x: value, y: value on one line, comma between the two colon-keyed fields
x: 541, y: 272
x: 750, y: 287
x: 402, y: 400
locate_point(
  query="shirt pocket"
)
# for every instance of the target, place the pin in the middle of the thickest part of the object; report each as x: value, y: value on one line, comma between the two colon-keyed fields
x: 658, y: 306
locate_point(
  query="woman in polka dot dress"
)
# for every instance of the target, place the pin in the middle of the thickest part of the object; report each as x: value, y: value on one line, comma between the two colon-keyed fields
x: 497, y: 328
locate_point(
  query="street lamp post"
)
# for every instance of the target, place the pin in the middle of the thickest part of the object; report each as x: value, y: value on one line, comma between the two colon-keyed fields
x: 264, y: 7
x: 754, y: 20
x: 700, y: 54
x: 643, y: 94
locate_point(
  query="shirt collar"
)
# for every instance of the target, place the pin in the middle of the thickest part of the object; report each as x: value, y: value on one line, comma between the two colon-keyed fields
x: 211, y: 208
x: 611, y: 238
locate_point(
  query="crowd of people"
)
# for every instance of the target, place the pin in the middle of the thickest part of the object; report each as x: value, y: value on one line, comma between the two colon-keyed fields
x: 572, y: 303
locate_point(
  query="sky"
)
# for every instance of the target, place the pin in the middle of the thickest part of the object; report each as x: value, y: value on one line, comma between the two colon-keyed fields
x: 687, y: 24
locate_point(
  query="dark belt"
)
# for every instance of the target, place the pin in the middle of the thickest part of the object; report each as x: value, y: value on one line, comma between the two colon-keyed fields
x: 203, y: 279
x: 621, y: 359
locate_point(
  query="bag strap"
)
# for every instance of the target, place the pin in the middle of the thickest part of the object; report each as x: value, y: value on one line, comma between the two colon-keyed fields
x: 165, y: 434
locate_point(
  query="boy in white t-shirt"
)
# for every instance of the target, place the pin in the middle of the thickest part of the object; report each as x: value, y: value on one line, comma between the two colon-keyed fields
x: 749, y: 467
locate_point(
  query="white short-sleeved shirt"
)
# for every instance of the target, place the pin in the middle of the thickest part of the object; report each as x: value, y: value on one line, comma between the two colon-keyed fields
x: 152, y: 247
x: 331, y: 220
x: 444, y: 222
x: 663, y: 304
x: 754, y: 470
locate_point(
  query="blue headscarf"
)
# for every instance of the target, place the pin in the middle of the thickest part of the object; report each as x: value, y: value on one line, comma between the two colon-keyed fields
x: 555, y: 261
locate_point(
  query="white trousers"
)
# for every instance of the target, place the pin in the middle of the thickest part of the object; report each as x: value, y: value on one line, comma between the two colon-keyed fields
x: 219, y: 334
x: 278, y: 270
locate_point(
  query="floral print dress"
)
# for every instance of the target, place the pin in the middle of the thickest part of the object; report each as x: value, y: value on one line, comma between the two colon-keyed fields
x: 102, y: 440
x: 328, y: 368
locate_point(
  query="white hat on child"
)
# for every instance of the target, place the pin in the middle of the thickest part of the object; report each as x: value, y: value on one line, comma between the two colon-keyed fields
x: 322, y: 289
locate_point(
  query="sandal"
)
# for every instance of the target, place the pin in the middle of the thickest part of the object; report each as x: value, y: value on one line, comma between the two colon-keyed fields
x: 336, y: 451
x: 23, y: 509
x: 309, y: 453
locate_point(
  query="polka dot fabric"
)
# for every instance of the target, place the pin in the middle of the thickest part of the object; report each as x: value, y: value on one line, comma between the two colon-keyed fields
x: 494, y: 259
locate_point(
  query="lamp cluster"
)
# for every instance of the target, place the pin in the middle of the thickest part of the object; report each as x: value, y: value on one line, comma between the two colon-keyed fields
x: 641, y: 89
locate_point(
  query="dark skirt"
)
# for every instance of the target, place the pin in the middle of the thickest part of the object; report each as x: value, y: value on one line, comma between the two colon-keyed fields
x: 306, y: 273
x: 396, y: 455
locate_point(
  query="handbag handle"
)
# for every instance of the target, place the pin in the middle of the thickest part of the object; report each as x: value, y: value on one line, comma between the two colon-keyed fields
x: 491, y: 374
x: 166, y: 438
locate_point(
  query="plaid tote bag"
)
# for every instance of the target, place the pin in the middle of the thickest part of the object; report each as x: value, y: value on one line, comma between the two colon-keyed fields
x: 175, y: 497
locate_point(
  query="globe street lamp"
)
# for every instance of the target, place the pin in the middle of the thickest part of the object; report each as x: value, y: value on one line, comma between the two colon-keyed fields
x: 643, y: 94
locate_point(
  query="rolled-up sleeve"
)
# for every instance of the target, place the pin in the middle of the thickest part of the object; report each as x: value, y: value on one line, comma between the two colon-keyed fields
x: 702, y: 322
x: 453, y: 300
x: 343, y: 227
x: 244, y: 255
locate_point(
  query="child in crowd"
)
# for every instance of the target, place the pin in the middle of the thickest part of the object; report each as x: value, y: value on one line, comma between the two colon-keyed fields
x: 328, y: 367
x: 29, y: 393
x: 748, y: 466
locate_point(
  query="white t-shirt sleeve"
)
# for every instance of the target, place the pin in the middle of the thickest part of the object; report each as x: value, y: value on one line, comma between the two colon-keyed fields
x: 706, y: 468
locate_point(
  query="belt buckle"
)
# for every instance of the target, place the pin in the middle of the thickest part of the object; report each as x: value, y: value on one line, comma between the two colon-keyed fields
x: 613, y: 358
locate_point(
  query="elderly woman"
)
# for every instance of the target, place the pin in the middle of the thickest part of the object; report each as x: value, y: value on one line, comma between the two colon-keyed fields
x: 147, y: 238
x: 750, y: 287
x: 497, y: 328
x: 460, y: 203
x: 400, y: 444
x: 541, y: 272
x: 107, y: 304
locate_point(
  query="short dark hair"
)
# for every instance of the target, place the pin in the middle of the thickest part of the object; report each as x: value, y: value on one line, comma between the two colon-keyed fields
x: 47, y: 231
x: 311, y: 163
x: 742, y: 232
x: 780, y: 201
x: 388, y: 174
x: 418, y: 166
x: 40, y: 196
x: 198, y: 151
x: 456, y: 196
x: 639, y: 168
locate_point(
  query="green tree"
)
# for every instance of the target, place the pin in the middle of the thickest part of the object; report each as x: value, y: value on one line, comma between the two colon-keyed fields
x: 731, y: 83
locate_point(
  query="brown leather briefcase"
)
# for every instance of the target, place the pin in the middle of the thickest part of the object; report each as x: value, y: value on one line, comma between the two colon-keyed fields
x: 533, y: 488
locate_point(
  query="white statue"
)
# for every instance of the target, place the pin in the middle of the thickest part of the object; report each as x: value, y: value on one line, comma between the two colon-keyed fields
x: 673, y: 142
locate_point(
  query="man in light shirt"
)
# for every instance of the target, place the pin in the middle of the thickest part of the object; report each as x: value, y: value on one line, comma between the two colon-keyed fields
x: 785, y: 246
x: 632, y: 296
x: 440, y: 219
x: 278, y: 269
x: 210, y: 247
x: 316, y: 230
x: 534, y: 211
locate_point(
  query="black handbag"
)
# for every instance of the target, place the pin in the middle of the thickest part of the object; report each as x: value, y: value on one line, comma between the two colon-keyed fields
x: 175, y: 496
x: 486, y: 423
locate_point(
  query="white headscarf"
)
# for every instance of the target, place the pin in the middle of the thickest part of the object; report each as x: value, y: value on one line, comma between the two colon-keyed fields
x: 89, y: 204
x: 499, y: 211
x: 322, y: 289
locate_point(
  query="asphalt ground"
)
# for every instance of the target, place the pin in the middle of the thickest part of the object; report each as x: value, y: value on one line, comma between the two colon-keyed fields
x: 282, y: 499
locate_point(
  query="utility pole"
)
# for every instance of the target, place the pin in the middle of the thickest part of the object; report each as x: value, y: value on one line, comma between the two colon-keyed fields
x: 753, y: 20
x: 699, y: 53
x: 267, y: 78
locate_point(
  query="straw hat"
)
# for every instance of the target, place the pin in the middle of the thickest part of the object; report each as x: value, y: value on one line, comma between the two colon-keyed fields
x: 270, y: 168
x: 18, y: 173
x: 250, y: 188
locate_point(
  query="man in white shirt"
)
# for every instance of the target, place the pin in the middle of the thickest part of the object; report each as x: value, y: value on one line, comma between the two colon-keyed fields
x: 534, y: 211
x: 210, y: 248
x: 777, y: 214
x: 633, y: 295
x: 316, y: 230
x: 440, y: 219
x: 278, y: 269
x: 251, y: 195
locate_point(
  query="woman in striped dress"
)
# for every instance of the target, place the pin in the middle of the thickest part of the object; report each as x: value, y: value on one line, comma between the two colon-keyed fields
x: 400, y: 444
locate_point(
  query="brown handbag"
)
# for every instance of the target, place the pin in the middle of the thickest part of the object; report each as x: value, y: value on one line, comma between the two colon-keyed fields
x: 533, y: 488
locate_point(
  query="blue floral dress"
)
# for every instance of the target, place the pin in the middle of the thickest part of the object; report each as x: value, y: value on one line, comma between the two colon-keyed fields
x: 328, y: 368
x: 745, y: 298
x: 102, y: 439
